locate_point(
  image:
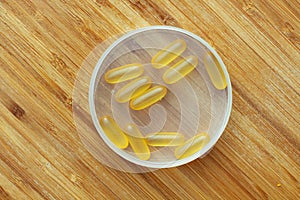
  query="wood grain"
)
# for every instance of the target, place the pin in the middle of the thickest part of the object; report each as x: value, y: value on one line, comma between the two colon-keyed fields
x: 43, y: 44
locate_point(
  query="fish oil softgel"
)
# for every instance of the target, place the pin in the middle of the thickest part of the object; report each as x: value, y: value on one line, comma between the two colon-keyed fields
x: 180, y: 69
x: 168, y: 54
x: 215, y: 71
x: 113, y: 132
x: 124, y: 73
x: 133, y: 89
x: 163, y: 139
x: 137, y: 142
x: 192, y: 145
x: 148, y: 98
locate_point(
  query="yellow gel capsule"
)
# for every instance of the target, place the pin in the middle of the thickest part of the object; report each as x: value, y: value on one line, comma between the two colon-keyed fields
x: 165, y: 139
x: 124, y: 73
x: 192, y: 145
x: 113, y: 132
x: 180, y: 69
x: 137, y: 142
x: 148, y: 98
x: 168, y: 53
x: 133, y: 89
x: 215, y: 71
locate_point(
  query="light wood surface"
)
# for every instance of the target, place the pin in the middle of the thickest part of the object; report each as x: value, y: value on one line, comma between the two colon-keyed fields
x: 42, y: 47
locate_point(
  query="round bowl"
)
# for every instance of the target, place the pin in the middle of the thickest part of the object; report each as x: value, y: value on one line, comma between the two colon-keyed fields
x: 192, y: 105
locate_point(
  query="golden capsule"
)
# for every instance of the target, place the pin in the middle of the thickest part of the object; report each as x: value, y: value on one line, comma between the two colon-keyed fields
x: 113, y: 132
x: 215, y: 71
x: 133, y: 89
x: 137, y: 142
x: 192, y: 146
x: 168, y: 53
x: 165, y: 139
x: 124, y: 73
x: 148, y: 98
x: 180, y: 69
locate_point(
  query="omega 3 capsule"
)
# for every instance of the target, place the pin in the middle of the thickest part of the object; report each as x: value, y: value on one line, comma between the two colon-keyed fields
x: 215, y: 71
x: 148, y: 98
x: 165, y: 139
x: 180, y: 69
x: 133, y: 89
x: 192, y: 145
x: 124, y: 73
x: 168, y: 53
x: 137, y: 142
x: 113, y: 132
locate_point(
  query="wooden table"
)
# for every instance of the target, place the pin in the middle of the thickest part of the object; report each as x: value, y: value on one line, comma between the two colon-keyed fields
x: 43, y: 44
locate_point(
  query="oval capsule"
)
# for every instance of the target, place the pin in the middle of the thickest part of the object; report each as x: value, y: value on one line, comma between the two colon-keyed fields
x: 148, y: 98
x: 180, y: 69
x: 215, y: 71
x: 168, y: 53
x: 192, y: 145
x: 165, y: 139
x: 137, y: 142
x: 133, y: 89
x: 113, y: 132
x: 124, y: 73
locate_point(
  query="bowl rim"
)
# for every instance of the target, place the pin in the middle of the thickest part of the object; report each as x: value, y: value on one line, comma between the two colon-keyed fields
x: 130, y: 157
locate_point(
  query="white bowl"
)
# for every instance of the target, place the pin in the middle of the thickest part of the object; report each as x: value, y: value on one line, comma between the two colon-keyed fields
x: 194, y: 103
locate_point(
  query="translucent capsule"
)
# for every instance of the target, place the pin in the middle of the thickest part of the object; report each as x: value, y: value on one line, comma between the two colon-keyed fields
x: 180, y: 69
x: 148, y: 98
x: 137, y: 142
x: 133, y: 89
x: 124, y: 73
x: 215, y: 71
x: 113, y: 132
x: 168, y: 53
x: 165, y: 139
x: 192, y: 145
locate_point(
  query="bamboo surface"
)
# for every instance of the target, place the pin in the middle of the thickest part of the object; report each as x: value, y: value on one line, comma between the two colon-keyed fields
x: 42, y: 47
